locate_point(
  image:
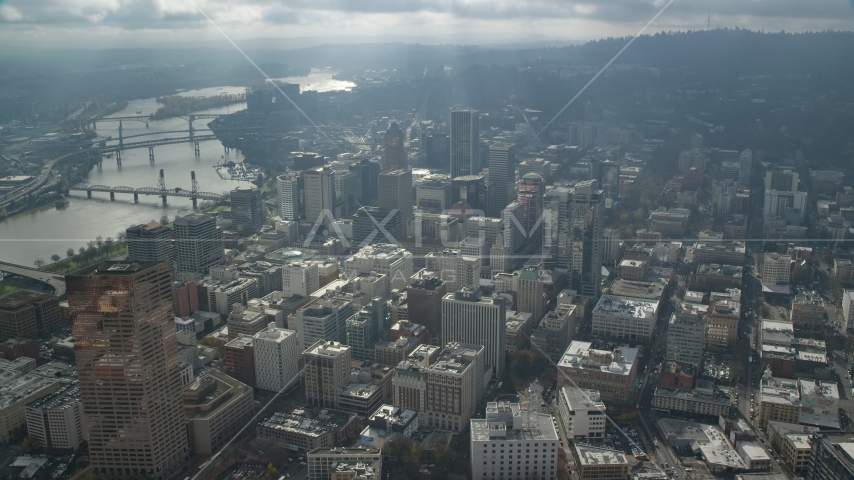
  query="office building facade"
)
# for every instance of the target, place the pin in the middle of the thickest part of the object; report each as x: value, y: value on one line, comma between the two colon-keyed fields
x: 122, y: 323
x: 198, y: 243
x: 465, y: 143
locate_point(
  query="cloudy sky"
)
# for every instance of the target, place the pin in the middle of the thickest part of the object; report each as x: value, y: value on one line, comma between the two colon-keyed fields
x: 108, y: 23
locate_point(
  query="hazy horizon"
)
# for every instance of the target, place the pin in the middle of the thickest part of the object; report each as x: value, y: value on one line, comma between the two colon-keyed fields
x: 294, y: 24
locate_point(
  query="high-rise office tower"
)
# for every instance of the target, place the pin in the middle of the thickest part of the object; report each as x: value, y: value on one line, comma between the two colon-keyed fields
x: 433, y: 196
x: 469, y: 318
x: 395, y: 192
x: 424, y: 296
x: 745, y: 168
x: 394, y: 154
x: 369, y: 172
x: 436, y: 148
x: 319, y: 195
x: 587, y: 233
x: 502, y: 174
x: 127, y: 361
x: 150, y: 242
x: 723, y: 196
x: 531, y: 192
x: 287, y: 188
x: 607, y: 173
x: 611, y: 247
x: 531, y: 289
x: 514, y: 229
x: 781, y: 179
x: 472, y: 191
x: 367, y: 222
x: 556, y: 239
x: 465, y: 144
x: 198, y: 243
x: 247, y: 209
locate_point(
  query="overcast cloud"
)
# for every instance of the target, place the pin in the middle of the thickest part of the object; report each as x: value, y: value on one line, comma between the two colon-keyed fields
x: 141, y: 22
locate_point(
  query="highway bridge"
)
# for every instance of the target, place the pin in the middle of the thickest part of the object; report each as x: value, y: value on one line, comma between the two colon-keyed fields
x: 57, y: 282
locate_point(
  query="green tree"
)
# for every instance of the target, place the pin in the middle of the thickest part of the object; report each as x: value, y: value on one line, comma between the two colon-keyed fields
x: 219, y: 345
x: 55, y: 258
x: 271, y: 472
x: 30, y: 444
x: 39, y: 263
x: 69, y: 253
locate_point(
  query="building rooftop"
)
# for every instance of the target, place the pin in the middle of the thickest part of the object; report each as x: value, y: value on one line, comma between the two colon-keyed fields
x: 580, y: 355
x: 754, y: 451
x: 211, y: 393
x: 344, y: 451
x: 241, y: 341
x: 273, y: 334
x: 507, y: 421
x: 456, y: 357
x: 305, y: 421
x: 326, y: 348
x: 636, y: 288
x: 67, y: 395
x: 20, y: 298
x: 626, y: 306
x: 582, y: 398
x: 719, y: 397
x: 590, y: 456
x: 391, y: 415
x: 718, y: 270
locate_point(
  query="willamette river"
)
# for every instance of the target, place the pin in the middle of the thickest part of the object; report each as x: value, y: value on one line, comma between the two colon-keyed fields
x: 42, y: 232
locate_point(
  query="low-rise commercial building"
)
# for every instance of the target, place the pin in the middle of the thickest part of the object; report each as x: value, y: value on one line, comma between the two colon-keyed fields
x: 722, y: 323
x: 304, y: 429
x: 507, y: 428
x: 582, y: 413
x: 599, y: 463
x: 792, y: 444
x: 624, y: 318
x: 808, y: 312
x: 779, y: 400
x: 611, y: 372
x: 754, y: 456
x: 387, y: 421
x: 323, y: 462
x: 707, y: 440
x: 216, y: 406
x: 57, y: 420
x: 699, y: 401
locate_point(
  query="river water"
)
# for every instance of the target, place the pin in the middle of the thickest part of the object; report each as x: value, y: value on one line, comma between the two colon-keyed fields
x: 42, y: 232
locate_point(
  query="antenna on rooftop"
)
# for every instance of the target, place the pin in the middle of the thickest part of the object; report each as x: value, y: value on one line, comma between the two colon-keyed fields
x: 709, y: 22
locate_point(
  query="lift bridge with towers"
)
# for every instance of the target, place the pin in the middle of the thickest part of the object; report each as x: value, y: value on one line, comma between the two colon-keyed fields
x: 161, y: 191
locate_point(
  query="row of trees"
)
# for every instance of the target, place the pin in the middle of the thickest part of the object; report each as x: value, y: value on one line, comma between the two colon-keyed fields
x: 94, y: 249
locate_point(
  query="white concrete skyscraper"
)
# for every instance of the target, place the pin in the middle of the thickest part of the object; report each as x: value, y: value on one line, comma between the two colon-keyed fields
x: 465, y: 143
x: 288, y: 196
x: 469, y: 318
